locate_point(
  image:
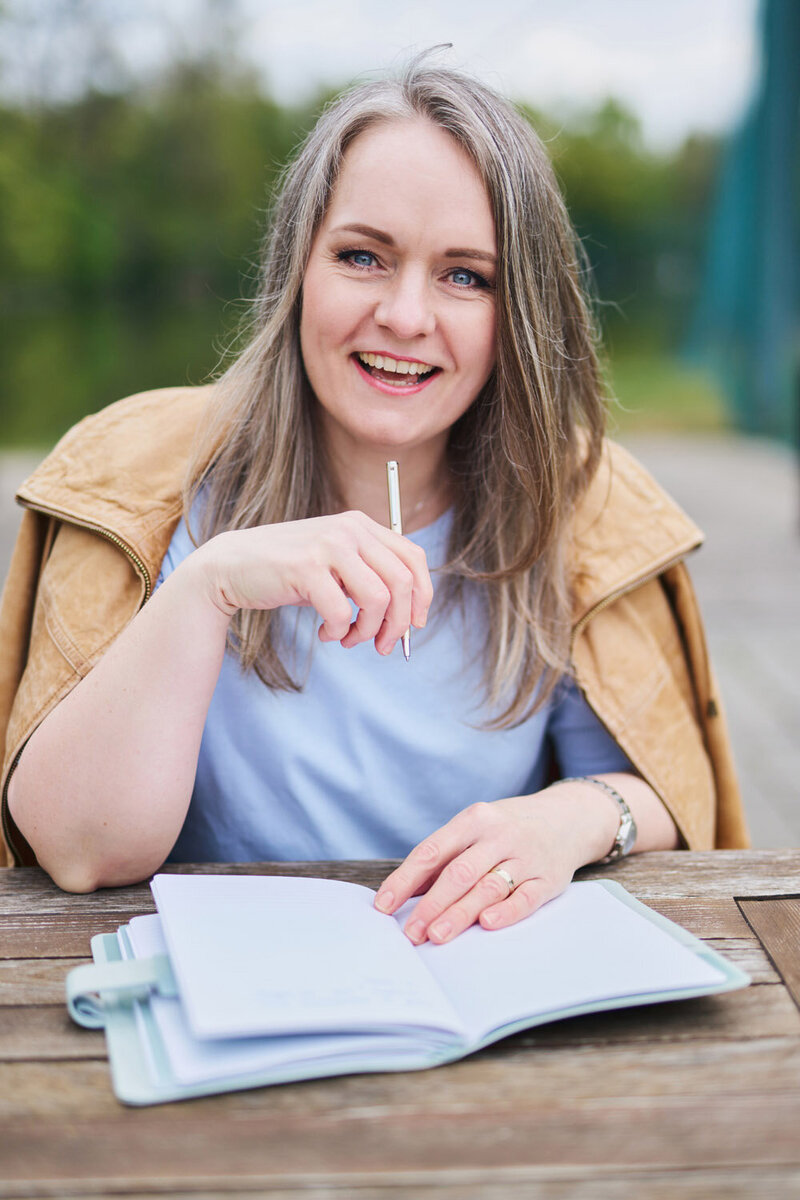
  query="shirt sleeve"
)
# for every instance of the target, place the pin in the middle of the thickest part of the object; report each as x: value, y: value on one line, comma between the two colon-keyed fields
x: 178, y: 549
x: 582, y: 745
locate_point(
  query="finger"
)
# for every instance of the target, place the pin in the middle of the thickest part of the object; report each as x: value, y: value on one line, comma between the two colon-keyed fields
x: 413, y: 876
x: 333, y: 607
x: 413, y: 558
x: 490, y: 889
x: 416, y: 561
x: 462, y: 889
x: 397, y: 583
x: 523, y: 901
x: 371, y: 596
x: 427, y: 859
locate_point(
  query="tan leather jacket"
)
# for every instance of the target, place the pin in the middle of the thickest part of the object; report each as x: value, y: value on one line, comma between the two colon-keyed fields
x: 100, y: 513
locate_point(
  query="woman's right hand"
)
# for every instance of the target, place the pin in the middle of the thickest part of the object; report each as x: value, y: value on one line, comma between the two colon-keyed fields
x: 324, y: 563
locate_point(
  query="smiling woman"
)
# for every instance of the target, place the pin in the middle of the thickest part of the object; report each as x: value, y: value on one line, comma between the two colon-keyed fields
x: 194, y: 679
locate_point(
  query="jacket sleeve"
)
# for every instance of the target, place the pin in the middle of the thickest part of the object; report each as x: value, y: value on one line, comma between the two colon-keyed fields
x: 643, y: 665
x: 731, y: 831
x: 68, y: 595
x: 16, y: 616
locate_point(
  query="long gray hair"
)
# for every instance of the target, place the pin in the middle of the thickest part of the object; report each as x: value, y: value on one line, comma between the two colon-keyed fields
x: 520, y: 456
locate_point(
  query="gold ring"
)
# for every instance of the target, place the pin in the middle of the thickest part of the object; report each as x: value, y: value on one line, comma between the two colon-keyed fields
x: 503, y: 873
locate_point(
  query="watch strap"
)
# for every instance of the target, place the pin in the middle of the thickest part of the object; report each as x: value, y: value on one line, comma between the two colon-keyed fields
x: 626, y: 832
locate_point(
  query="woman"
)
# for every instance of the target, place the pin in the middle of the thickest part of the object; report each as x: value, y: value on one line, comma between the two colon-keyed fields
x: 421, y: 302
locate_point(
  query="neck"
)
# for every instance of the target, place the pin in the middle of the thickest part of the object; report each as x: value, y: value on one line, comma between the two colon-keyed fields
x: 426, y: 489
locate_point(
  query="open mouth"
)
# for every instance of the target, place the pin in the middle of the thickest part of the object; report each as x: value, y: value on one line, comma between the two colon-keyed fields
x: 396, y: 372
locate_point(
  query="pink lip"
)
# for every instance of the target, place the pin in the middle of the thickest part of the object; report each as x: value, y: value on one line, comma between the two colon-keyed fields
x: 403, y: 389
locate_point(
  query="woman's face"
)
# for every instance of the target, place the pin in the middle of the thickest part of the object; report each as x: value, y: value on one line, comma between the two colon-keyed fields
x: 398, y: 318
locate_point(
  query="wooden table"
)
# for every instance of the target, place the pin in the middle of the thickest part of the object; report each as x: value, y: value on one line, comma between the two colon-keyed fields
x: 698, y: 1098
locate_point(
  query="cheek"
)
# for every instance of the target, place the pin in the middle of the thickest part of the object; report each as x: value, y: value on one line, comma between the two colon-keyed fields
x: 326, y: 317
x: 482, y: 345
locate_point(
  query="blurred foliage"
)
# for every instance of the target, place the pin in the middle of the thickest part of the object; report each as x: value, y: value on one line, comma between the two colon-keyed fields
x: 151, y: 197
x: 130, y: 225
x: 641, y: 216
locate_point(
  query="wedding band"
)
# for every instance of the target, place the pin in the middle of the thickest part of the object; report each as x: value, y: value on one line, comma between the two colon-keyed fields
x: 503, y: 873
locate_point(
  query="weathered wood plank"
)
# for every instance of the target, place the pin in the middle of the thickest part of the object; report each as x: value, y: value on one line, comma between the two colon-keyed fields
x: 271, y: 1147
x: 705, y: 918
x: 502, y: 1183
x: 777, y: 925
x: 720, y: 873
x: 34, y: 981
x: 25, y: 890
x: 55, y: 935
x: 748, y: 955
x: 661, y: 874
x: 499, y: 1079
x: 46, y: 1032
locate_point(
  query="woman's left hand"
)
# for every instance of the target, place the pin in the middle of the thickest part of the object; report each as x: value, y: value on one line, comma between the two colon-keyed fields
x: 538, y: 841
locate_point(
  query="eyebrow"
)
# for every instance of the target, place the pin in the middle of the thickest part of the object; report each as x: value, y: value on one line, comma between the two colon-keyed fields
x: 378, y: 235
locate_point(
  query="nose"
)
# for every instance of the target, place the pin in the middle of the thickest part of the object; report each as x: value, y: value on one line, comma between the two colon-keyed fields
x: 406, y: 305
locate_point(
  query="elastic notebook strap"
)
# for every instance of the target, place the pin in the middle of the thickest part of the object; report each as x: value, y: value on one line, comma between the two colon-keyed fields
x: 95, y: 987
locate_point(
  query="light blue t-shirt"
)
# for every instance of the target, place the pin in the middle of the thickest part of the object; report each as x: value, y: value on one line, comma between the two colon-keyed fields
x: 374, y: 753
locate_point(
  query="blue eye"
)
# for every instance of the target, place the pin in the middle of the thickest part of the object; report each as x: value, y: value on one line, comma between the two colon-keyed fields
x: 359, y: 258
x: 464, y: 278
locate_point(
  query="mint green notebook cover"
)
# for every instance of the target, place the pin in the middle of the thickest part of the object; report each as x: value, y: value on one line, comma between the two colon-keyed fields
x: 114, y: 993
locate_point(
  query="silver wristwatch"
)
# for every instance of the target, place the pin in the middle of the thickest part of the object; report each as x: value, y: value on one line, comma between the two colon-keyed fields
x: 626, y: 834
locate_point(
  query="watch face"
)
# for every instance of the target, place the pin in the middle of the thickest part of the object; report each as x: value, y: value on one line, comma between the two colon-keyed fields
x: 627, y: 836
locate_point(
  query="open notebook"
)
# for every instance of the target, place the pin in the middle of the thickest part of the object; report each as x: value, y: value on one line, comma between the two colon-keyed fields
x: 241, y: 981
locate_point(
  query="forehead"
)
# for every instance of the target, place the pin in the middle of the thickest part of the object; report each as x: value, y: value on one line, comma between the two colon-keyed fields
x: 411, y: 173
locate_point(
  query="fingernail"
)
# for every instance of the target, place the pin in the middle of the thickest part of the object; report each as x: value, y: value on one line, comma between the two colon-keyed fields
x: 416, y: 932
x: 490, y: 918
x: 441, y: 930
x: 384, y: 901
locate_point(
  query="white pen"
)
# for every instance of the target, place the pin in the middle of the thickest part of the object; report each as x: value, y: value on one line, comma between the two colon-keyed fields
x: 396, y: 526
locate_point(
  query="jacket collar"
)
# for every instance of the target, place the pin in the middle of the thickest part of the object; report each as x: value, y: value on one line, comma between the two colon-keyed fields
x: 121, y: 472
x: 626, y: 529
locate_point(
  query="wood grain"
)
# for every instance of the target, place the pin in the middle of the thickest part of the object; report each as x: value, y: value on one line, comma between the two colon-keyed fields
x: 674, y: 874
x: 34, y: 981
x: 501, y: 1183
x: 776, y: 923
x: 55, y: 935
x: 697, y: 1099
x: 265, y: 1146
x: 498, y: 1079
x: 704, y: 917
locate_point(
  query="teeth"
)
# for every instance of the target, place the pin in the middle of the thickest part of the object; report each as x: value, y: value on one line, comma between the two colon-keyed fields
x: 384, y: 363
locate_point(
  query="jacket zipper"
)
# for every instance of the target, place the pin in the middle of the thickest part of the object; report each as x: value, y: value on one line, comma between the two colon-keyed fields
x: 631, y: 586
x: 69, y: 519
